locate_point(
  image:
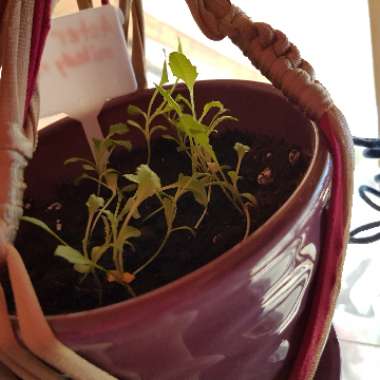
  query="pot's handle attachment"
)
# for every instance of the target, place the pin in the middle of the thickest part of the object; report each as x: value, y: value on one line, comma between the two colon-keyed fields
x: 279, y: 60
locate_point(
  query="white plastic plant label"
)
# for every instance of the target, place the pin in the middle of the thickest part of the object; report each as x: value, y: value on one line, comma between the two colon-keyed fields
x: 85, y: 63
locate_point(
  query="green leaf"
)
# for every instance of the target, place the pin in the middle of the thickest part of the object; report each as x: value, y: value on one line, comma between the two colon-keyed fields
x: 118, y: 129
x: 164, y: 74
x: 98, y: 251
x: 199, y: 192
x: 191, y: 126
x: 123, y: 143
x: 171, y: 102
x: 128, y: 206
x: 94, y: 203
x: 129, y: 188
x: 129, y: 232
x: 158, y: 128
x: 183, y: 69
x: 220, y: 120
x: 250, y: 197
x: 196, y: 186
x: 149, y: 182
x: 82, y: 268
x: 134, y: 110
x: 76, y: 159
x: 210, y: 105
x: 134, y: 124
x: 71, y: 255
x: 97, y: 143
x: 241, y: 149
x: 170, y: 210
x: 89, y: 168
x: 110, y: 179
x: 181, y: 99
x: 179, y: 47
x: 110, y: 216
x: 233, y: 175
x: 169, y: 137
x: 42, y: 225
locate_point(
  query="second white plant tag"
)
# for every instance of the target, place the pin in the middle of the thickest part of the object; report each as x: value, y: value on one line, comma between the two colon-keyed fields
x: 85, y: 63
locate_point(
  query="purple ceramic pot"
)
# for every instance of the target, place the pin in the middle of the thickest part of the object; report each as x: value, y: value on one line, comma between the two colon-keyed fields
x: 239, y: 317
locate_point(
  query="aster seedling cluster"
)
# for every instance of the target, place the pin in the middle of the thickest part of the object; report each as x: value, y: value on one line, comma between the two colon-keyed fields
x: 116, y: 205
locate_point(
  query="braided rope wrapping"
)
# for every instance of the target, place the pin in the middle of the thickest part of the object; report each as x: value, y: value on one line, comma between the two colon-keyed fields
x: 268, y: 49
x: 15, y: 146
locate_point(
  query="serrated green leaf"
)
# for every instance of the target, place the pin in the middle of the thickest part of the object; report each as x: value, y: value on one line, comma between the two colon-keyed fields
x: 94, y: 203
x: 182, y: 68
x: 71, y: 255
x: 118, y: 129
x: 148, y: 181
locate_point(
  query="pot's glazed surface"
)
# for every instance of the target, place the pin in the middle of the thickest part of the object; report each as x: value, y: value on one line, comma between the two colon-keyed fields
x: 240, y: 316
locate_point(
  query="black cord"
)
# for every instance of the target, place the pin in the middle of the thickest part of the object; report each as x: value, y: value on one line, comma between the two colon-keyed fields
x: 372, y: 151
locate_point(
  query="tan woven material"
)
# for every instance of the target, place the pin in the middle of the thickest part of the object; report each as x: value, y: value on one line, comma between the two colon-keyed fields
x: 17, y: 141
x: 15, y: 145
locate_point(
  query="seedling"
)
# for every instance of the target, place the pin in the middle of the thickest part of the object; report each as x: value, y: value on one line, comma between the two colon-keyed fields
x: 118, y: 210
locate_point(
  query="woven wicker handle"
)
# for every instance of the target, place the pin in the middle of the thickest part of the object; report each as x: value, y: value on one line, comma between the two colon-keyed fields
x: 269, y: 50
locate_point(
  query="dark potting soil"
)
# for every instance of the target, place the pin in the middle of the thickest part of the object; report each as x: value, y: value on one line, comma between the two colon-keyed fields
x: 271, y: 171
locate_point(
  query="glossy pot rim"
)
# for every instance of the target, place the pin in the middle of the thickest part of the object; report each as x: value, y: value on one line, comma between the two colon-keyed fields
x: 307, y: 191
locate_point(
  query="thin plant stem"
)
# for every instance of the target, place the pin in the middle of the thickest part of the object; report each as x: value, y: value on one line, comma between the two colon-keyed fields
x: 153, y: 257
x: 200, y: 220
x: 248, y: 221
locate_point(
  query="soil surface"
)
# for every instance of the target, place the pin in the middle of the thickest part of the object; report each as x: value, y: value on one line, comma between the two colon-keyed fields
x: 271, y: 171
